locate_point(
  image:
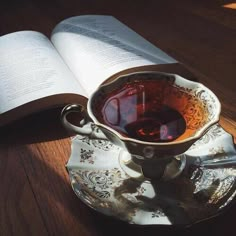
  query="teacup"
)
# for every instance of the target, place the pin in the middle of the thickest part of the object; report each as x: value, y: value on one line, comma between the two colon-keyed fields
x: 154, y: 117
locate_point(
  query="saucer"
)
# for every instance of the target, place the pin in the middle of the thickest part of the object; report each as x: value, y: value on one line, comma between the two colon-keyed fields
x: 205, y: 188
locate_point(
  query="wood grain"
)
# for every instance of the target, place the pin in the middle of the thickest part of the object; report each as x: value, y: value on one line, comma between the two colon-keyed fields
x: 35, y: 195
x: 20, y: 214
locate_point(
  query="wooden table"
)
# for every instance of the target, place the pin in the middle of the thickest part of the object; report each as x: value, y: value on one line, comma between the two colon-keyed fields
x: 35, y: 193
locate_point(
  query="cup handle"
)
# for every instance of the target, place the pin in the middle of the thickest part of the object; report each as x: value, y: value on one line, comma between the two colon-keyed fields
x: 87, y: 128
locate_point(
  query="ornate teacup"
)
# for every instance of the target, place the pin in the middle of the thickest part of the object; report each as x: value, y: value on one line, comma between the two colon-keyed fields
x: 154, y: 117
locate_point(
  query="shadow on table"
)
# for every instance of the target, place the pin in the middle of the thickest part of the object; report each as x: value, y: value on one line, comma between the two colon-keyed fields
x: 39, y: 127
x: 220, y: 225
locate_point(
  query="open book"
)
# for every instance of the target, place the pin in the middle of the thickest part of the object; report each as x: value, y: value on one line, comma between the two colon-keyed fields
x: 84, y: 51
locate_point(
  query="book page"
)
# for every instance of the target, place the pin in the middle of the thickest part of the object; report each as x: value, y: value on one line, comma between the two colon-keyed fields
x: 30, y: 69
x: 96, y: 47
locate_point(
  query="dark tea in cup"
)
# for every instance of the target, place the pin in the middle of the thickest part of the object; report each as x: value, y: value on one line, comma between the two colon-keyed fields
x: 154, y: 109
x: 138, y: 110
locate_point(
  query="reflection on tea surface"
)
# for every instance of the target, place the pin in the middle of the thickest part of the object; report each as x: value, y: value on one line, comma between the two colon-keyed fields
x: 139, y: 110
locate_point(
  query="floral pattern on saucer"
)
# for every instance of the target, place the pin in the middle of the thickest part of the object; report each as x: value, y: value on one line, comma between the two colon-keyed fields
x: 205, y: 187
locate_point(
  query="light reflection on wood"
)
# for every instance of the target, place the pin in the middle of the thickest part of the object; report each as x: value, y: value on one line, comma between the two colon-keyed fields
x: 230, y: 5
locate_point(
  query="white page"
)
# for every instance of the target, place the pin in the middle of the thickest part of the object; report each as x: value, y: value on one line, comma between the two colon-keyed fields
x: 31, y: 68
x: 96, y: 47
